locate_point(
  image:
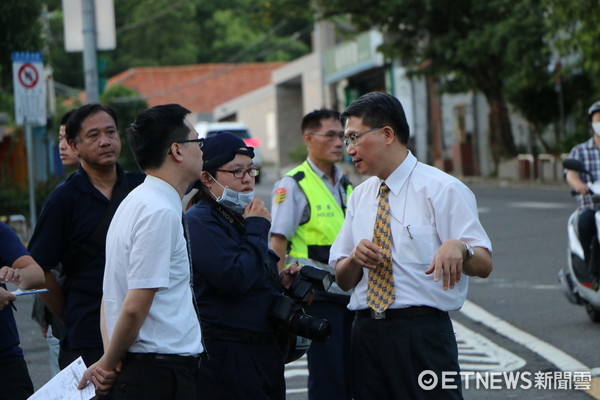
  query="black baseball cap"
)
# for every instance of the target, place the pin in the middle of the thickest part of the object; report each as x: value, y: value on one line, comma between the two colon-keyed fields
x: 221, y: 147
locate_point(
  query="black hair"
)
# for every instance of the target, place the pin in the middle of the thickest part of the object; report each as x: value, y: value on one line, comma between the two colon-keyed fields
x: 379, y: 109
x: 312, y: 120
x: 154, y: 130
x: 66, y: 116
x: 75, y: 120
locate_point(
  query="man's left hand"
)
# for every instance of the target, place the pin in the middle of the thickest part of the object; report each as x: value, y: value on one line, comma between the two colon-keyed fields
x: 448, y: 262
x: 102, y: 378
x: 288, y: 274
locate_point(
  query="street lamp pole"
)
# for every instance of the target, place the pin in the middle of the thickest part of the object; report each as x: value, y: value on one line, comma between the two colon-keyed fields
x: 90, y: 63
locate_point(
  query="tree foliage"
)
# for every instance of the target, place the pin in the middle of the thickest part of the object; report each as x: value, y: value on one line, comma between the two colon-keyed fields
x: 178, y: 32
x: 20, y: 30
x: 574, y: 34
x: 470, y: 44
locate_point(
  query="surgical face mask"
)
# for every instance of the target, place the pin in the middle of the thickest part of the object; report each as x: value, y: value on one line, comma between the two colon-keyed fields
x: 235, y: 201
x: 596, y: 128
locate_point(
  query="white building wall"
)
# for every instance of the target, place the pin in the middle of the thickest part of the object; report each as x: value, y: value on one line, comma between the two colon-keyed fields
x: 256, y: 110
x: 412, y: 94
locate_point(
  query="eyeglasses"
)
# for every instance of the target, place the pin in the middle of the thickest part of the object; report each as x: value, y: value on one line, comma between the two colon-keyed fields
x: 240, y: 172
x: 353, y: 138
x: 199, y: 141
x: 331, y: 135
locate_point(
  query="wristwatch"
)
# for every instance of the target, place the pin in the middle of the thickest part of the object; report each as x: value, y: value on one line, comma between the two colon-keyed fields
x: 470, y: 252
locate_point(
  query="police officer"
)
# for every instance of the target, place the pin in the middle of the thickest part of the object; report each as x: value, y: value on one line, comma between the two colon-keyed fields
x: 308, y: 207
x: 235, y: 277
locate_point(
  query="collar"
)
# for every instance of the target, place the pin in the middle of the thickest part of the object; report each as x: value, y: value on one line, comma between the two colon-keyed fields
x: 591, y: 144
x: 166, y: 190
x: 83, y: 183
x: 337, y: 176
x: 400, y: 175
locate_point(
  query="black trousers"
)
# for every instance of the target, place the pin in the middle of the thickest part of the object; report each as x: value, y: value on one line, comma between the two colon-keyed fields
x: 235, y: 371
x: 387, y: 357
x: 586, y: 224
x: 15, y: 383
x: 329, y: 362
x: 155, y: 379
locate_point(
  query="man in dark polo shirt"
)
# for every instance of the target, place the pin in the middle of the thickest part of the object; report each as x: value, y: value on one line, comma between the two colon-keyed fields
x: 72, y: 230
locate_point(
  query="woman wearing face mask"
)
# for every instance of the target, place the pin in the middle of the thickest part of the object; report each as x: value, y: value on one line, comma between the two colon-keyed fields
x: 235, y: 277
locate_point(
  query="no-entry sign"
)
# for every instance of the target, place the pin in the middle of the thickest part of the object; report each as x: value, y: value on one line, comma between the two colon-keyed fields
x: 29, y: 88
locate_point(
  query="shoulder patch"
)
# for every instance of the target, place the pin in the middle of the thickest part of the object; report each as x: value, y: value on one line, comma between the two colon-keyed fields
x: 280, y: 194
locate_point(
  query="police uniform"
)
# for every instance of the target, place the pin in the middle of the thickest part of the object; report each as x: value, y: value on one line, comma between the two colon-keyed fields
x: 309, y: 211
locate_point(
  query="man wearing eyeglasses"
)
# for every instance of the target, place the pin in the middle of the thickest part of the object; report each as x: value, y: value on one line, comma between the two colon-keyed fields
x: 411, y: 232
x: 149, y: 320
x: 72, y: 226
x: 308, y: 208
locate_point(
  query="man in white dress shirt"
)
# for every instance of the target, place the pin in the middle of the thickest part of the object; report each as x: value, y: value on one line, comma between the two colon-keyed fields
x: 149, y: 323
x: 436, y: 239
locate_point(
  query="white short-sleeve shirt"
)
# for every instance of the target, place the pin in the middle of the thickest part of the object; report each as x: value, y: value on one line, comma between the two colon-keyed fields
x: 430, y: 205
x: 146, y: 249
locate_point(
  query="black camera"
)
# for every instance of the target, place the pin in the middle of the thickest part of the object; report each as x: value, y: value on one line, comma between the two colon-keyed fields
x: 289, y: 307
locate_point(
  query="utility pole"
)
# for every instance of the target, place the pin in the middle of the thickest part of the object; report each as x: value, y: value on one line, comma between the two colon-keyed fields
x: 90, y: 62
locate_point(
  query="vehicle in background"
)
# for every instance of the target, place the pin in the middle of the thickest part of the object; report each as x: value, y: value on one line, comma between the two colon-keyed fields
x: 206, y: 129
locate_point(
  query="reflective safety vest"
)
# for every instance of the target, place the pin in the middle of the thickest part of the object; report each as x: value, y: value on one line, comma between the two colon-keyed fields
x: 314, y: 238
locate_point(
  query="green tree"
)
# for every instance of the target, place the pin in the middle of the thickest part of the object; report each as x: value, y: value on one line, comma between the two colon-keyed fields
x: 469, y: 44
x: 177, y: 32
x: 574, y: 33
x: 20, y: 30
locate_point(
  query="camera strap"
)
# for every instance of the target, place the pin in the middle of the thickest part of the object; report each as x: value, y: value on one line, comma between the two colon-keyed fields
x: 239, y: 225
x: 230, y: 217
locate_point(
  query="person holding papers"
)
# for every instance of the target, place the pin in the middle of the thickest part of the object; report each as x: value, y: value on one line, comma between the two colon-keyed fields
x: 16, y: 267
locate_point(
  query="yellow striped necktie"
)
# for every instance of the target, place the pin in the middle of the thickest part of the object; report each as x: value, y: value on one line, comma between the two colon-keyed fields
x: 380, y: 293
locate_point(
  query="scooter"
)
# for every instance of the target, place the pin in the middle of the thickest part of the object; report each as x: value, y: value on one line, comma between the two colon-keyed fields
x: 576, y: 278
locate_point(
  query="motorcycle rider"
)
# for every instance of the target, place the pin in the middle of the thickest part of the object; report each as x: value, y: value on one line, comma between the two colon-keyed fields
x: 588, y: 153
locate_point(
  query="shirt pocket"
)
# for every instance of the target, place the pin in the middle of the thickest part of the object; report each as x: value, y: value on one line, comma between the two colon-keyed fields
x: 419, y: 249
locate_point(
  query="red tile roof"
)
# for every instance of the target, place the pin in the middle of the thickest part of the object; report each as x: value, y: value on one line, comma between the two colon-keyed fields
x: 199, y: 87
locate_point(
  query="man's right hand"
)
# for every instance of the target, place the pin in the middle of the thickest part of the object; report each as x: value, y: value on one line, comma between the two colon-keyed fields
x: 581, y: 188
x: 366, y: 254
x: 6, y: 297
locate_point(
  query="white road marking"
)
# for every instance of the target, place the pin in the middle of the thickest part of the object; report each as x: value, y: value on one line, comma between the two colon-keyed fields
x: 540, y: 205
x: 553, y: 354
x: 477, y: 353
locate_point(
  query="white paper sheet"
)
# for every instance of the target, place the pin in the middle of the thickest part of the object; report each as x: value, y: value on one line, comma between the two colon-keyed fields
x: 64, y: 385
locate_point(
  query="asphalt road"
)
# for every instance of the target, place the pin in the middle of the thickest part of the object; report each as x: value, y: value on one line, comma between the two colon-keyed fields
x: 527, y: 228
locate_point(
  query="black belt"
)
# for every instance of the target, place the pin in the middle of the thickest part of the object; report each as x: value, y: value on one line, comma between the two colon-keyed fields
x: 237, y: 335
x: 188, y: 361
x: 408, y: 312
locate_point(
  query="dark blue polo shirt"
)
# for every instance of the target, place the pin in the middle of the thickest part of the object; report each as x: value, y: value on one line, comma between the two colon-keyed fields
x: 11, y: 249
x: 235, y: 274
x: 67, y: 220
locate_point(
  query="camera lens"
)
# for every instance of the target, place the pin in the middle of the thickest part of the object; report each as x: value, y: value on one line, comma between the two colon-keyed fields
x: 309, y: 327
